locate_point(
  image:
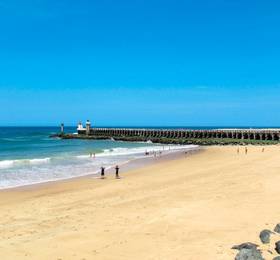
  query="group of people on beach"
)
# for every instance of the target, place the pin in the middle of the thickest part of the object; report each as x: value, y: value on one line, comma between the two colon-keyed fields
x: 117, y: 168
x: 246, y: 150
x: 102, y: 169
x: 155, y: 154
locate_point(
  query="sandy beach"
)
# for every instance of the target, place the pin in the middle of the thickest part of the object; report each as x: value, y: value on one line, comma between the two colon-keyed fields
x: 195, y: 207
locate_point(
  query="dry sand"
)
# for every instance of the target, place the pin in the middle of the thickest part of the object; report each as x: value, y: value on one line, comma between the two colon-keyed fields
x: 191, y: 208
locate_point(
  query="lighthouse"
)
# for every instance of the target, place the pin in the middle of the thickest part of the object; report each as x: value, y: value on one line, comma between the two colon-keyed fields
x: 87, y: 127
x: 62, y: 128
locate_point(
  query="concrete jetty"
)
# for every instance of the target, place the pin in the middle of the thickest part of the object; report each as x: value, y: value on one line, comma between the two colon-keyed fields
x: 254, y: 134
x: 241, y: 134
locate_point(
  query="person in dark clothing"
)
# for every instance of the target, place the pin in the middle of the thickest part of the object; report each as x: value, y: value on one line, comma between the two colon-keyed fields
x: 102, y: 172
x: 117, y: 172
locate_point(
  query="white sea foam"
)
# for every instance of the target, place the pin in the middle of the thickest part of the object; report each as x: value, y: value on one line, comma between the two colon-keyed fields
x: 12, y: 139
x: 39, y: 161
x: 6, y: 164
x: 144, y: 149
x: 22, y: 172
x: 13, y: 163
x: 113, y: 152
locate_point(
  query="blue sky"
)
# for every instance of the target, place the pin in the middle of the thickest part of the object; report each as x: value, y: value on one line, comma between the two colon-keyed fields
x: 158, y: 63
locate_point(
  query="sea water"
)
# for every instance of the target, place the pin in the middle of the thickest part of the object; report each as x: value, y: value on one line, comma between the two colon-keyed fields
x: 28, y: 155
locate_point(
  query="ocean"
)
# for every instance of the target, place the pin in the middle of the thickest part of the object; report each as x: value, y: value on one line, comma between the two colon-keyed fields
x: 28, y: 155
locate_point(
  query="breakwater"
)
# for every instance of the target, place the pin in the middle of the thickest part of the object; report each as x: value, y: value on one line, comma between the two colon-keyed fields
x: 180, y: 136
x: 243, y: 134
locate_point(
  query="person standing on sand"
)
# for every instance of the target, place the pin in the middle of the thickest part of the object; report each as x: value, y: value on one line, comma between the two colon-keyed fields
x: 238, y: 150
x: 102, y: 172
x: 246, y: 150
x: 117, y: 172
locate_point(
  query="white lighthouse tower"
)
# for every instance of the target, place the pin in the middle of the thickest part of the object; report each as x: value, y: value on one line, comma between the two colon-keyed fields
x: 62, y: 128
x: 88, y: 127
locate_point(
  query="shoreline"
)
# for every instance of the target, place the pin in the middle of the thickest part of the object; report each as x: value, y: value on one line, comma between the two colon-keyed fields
x: 133, y: 164
x: 186, y: 208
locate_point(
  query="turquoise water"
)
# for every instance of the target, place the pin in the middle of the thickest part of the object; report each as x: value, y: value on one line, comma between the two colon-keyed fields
x: 30, y: 143
x: 28, y: 155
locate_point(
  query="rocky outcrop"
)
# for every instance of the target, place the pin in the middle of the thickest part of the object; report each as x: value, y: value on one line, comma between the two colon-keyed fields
x: 251, y: 251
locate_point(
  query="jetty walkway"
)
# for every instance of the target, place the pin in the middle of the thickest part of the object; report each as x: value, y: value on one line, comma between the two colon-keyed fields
x: 243, y: 134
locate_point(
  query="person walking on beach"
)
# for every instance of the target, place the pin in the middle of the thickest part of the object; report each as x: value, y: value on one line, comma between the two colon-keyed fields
x: 117, y: 172
x: 238, y: 150
x: 102, y: 172
x: 246, y: 150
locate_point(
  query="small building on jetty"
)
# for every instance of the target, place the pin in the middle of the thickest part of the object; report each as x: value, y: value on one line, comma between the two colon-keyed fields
x: 243, y: 134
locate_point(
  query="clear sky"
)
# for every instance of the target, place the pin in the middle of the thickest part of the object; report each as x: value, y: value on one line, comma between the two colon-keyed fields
x: 140, y: 62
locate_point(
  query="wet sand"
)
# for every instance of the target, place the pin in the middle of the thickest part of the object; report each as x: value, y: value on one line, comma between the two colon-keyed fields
x: 193, y: 207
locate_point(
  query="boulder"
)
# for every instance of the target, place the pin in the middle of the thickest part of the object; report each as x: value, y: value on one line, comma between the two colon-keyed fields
x: 277, y: 228
x: 247, y: 245
x: 277, y: 247
x: 265, y: 236
x: 249, y: 254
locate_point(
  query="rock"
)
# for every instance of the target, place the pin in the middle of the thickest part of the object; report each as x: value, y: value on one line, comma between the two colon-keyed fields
x: 247, y: 245
x: 276, y: 258
x: 265, y: 236
x: 277, y: 228
x: 249, y: 254
x: 277, y: 247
